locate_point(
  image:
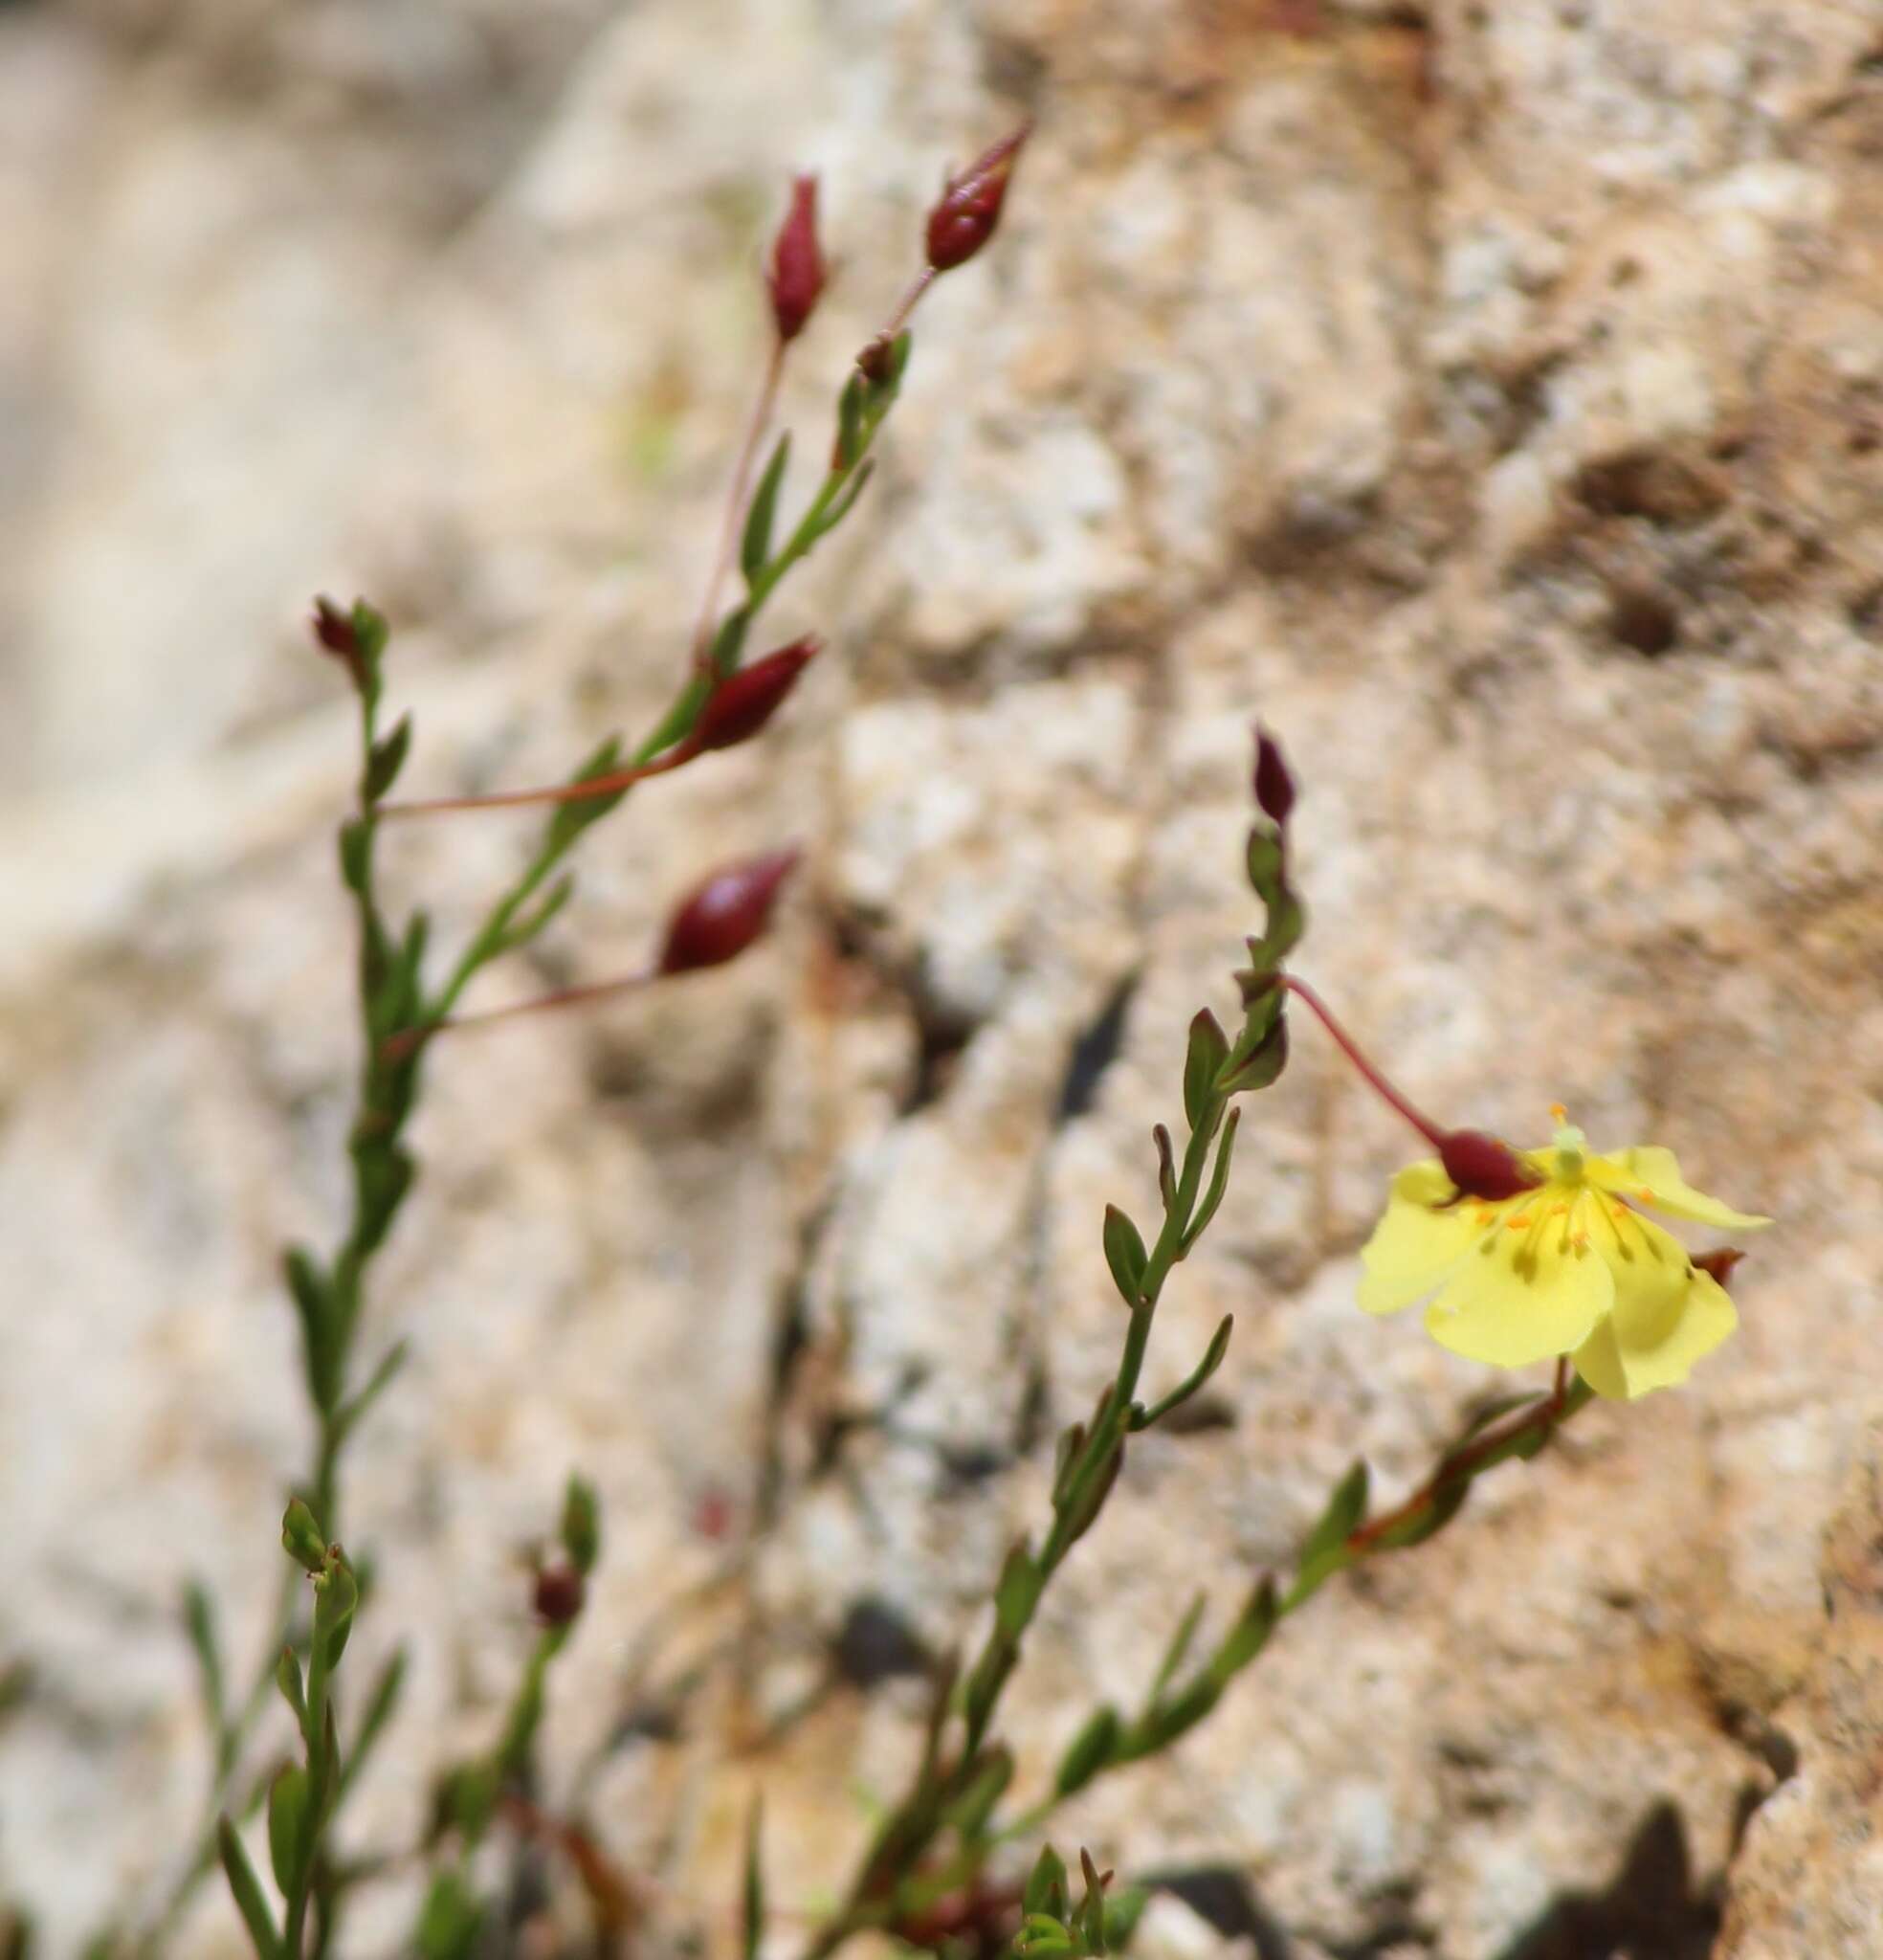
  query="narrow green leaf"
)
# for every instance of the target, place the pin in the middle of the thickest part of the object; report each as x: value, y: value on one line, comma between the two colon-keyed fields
x: 755, y: 544
x: 386, y: 759
x: 1344, y: 1514
x: 1123, y: 1910
x: 970, y: 1812
x: 356, y: 856
x: 287, y: 1678
x: 376, y: 1384
x: 1202, y: 1063
x: 1180, y: 1647
x: 381, y: 1706
x: 1016, y: 1593
x: 249, y: 1901
x: 1088, y: 1752
x: 287, y: 1821
x: 449, y: 1920
x: 850, y: 423
x: 1091, y: 1907
x: 581, y: 1525
x: 1219, y: 1183
x: 1262, y: 1066
x: 845, y: 500
x: 1249, y: 1634
x: 1046, y: 1886
x: 199, y: 1622
x: 1166, y: 1168
x: 530, y: 926
x: 571, y: 819
x: 753, y: 1919
x: 1125, y: 1255
x: 336, y: 1595
x: 1212, y: 1360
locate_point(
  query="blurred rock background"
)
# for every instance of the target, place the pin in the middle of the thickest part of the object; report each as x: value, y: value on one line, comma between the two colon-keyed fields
x: 1491, y: 395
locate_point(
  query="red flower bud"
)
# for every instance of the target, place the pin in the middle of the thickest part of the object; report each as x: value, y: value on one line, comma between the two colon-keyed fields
x: 969, y: 207
x: 743, y: 703
x: 1719, y: 1265
x: 1274, y: 787
x: 334, y: 631
x: 1483, y: 1168
x: 558, y: 1595
x: 720, y: 918
x: 797, y: 272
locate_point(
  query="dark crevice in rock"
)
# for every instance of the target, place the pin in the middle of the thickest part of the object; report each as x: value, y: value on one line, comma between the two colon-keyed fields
x: 1094, y: 1051
x: 1652, y: 1909
x: 1222, y: 1897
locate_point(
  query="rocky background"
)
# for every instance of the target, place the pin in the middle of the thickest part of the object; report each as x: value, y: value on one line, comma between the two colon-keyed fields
x: 1489, y: 394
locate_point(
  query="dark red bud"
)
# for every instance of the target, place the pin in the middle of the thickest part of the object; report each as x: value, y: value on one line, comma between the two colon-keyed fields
x: 1274, y: 787
x: 873, y: 362
x: 558, y: 1595
x: 969, y: 207
x: 743, y: 703
x: 720, y: 918
x: 1719, y: 1265
x: 333, y: 630
x: 1483, y: 1168
x: 797, y: 272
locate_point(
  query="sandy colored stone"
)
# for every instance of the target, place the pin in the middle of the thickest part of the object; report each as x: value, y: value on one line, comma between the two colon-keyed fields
x: 1491, y: 400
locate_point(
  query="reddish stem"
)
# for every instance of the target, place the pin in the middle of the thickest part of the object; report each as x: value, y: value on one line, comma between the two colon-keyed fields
x: 401, y: 1045
x: 735, y: 511
x: 1350, y: 1048
x: 878, y: 349
x: 610, y: 784
x: 1461, y: 1468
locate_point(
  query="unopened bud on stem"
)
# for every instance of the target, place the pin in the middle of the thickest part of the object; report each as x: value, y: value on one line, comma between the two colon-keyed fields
x: 1274, y: 785
x: 721, y: 917
x: 797, y: 271
x: 744, y: 702
x: 969, y: 207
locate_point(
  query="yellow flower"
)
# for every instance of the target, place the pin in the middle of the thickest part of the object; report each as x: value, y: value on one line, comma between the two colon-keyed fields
x: 1568, y: 1267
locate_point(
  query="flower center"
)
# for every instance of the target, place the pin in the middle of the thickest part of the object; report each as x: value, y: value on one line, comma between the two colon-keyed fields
x: 1571, y: 1148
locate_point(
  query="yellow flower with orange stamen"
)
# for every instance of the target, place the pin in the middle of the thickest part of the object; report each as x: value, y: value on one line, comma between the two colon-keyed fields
x: 1571, y: 1266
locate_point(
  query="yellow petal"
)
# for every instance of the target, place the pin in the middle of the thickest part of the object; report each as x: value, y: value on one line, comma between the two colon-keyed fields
x: 1651, y: 1175
x: 1667, y: 1314
x: 1522, y: 1296
x: 1416, y: 1243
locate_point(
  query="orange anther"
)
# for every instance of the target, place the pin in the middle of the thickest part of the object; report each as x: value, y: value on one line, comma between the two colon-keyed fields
x: 1559, y: 1112
x: 1518, y: 1223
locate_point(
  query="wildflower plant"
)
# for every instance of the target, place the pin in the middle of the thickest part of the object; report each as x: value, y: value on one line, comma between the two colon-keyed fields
x: 1527, y: 1256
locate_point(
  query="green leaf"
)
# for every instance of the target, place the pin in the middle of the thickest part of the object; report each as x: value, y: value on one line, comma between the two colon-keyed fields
x: 1212, y: 1360
x: 1202, y: 1063
x: 386, y: 759
x: 571, y: 819
x: 336, y: 1595
x: 1046, y: 1886
x: 1263, y: 1063
x: 1179, y: 1647
x: 755, y: 544
x: 971, y: 1811
x: 1494, y: 1411
x: 850, y: 423
x: 1125, y: 1255
x: 1345, y: 1513
x: 389, y: 1365
x: 519, y: 932
x: 1249, y: 1636
x: 1267, y: 875
x: 1091, y: 1907
x: 287, y: 1678
x: 300, y: 1536
x: 1089, y: 1752
x: 1219, y: 1183
x: 250, y: 1900
x: 1123, y: 1910
x: 381, y: 1706
x: 199, y: 1622
x: 1017, y: 1591
x: 1166, y: 1168
x: 313, y: 1302
x: 581, y: 1525
x: 845, y: 500
x: 287, y: 1822
x: 370, y: 632
x: 753, y: 1916
x: 356, y: 841
x: 450, y: 1921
